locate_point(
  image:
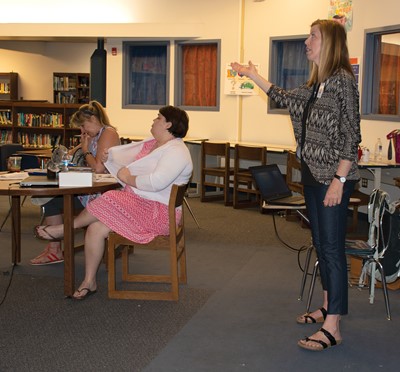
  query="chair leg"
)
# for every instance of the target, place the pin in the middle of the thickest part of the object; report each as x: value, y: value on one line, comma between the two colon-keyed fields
x: 5, y: 219
x: 372, y: 281
x: 384, y: 288
x: 41, y: 215
x: 9, y: 213
x: 312, y: 285
x: 305, y: 272
x: 191, y: 212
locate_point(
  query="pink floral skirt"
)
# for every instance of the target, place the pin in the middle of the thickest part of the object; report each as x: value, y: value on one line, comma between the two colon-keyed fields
x: 131, y: 216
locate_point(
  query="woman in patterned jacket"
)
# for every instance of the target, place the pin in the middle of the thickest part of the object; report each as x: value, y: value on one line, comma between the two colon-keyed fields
x: 139, y: 212
x: 326, y: 122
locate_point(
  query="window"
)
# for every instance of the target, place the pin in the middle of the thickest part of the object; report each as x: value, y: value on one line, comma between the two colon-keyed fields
x: 146, y: 77
x: 381, y: 82
x: 289, y: 66
x: 198, y: 75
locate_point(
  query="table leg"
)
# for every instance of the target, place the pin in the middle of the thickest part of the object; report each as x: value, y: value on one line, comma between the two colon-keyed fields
x: 69, y: 260
x: 377, y: 173
x: 16, y: 228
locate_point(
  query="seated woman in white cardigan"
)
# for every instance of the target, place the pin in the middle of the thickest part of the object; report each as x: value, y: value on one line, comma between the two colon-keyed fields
x: 139, y: 211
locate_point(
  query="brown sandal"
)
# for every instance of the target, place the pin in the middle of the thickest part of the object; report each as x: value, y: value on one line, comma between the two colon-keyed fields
x: 50, y: 238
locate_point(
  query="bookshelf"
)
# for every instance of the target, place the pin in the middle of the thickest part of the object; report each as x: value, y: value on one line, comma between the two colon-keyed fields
x: 71, y: 88
x: 37, y: 124
x: 8, y: 86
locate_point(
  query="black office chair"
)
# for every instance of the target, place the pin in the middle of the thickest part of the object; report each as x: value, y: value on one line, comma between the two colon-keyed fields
x: 27, y: 162
x: 6, y: 150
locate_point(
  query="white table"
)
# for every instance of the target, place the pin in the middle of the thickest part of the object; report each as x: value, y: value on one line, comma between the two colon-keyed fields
x: 375, y: 167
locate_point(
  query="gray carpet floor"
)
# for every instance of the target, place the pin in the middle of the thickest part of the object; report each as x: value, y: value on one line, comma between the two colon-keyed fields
x: 41, y: 331
x: 237, y: 312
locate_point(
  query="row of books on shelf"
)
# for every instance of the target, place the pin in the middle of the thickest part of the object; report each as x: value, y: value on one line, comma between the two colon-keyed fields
x: 64, y: 83
x: 39, y: 140
x: 5, y: 117
x: 5, y: 87
x: 54, y: 120
x: 5, y: 136
x: 61, y: 97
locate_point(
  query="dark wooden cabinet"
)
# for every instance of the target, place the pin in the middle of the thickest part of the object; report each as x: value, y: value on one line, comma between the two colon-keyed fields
x: 8, y: 86
x: 37, y: 124
x: 71, y: 88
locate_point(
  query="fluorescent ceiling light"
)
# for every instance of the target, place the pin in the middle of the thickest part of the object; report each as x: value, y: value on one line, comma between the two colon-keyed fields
x: 70, y: 11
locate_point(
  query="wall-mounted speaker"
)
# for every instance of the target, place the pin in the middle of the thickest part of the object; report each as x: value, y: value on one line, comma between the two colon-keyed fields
x: 98, y: 73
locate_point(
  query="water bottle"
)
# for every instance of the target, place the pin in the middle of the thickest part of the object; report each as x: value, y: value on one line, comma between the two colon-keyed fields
x: 65, y: 162
x: 378, y: 150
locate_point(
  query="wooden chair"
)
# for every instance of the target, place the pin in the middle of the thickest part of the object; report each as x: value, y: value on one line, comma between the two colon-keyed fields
x: 293, y: 180
x: 293, y: 173
x: 242, y: 178
x: 174, y: 243
x: 215, y: 171
x: 357, y: 199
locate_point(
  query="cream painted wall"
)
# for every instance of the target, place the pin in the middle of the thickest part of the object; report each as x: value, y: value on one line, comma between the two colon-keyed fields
x: 221, y: 19
x: 287, y: 17
x: 35, y: 63
x: 208, y: 19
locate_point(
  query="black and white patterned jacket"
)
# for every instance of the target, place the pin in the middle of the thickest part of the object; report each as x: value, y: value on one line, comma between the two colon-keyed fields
x: 333, y: 124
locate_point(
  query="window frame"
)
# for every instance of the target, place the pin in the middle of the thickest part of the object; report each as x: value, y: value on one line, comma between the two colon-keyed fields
x: 179, y: 74
x: 370, y: 79
x: 273, y: 66
x: 126, y: 79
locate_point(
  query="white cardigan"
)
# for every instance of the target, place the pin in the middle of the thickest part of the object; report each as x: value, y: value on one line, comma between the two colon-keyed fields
x: 156, y: 172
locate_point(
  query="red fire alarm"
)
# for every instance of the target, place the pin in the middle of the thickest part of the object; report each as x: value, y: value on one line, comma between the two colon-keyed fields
x: 114, y: 51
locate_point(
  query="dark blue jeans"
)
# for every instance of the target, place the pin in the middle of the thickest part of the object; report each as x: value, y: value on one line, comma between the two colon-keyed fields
x: 328, y: 229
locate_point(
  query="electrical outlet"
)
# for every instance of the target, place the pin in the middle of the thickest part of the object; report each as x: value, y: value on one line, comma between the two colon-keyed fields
x: 364, y: 182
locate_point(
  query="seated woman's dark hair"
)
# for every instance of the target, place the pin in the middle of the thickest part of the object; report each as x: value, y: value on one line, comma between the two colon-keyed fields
x: 178, y: 118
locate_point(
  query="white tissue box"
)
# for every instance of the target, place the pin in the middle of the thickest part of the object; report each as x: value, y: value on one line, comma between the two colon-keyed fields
x: 75, y: 179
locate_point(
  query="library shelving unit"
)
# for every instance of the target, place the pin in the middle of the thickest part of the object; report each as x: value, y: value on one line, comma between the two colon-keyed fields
x: 69, y: 87
x: 37, y: 124
x: 8, y: 86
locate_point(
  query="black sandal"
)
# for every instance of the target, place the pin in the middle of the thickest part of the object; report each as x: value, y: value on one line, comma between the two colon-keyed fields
x: 308, y: 319
x: 303, y: 343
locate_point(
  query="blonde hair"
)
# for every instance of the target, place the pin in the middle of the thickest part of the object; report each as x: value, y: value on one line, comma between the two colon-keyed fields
x: 334, y: 52
x: 89, y: 109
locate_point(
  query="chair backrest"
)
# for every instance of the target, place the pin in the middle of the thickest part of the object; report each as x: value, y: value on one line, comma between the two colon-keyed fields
x: 293, y: 173
x: 214, y: 149
x: 125, y: 140
x: 378, y: 207
x: 29, y: 162
x: 249, y: 153
x: 176, y: 199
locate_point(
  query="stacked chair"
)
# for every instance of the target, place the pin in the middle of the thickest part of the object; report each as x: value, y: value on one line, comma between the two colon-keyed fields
x: 243, y: 182
x: 215, y: 172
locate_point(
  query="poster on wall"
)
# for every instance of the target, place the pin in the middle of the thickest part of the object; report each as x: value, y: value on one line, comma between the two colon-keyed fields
x: 342, y: 12
x: 238, y: 85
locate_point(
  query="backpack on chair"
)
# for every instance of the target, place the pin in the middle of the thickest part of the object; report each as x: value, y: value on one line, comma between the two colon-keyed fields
x: 391, y: 258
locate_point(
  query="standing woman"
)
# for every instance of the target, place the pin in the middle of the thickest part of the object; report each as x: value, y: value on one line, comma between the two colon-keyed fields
x: 326, y: 122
